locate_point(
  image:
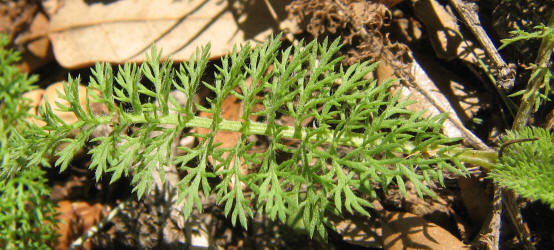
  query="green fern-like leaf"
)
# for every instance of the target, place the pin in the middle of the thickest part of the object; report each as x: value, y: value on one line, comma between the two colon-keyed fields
x: 527, y: 164
x: 359, y: 134
x: 27, y: 216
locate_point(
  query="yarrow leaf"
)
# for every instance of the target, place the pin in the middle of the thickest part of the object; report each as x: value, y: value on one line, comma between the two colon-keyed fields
x: 526, y: 164
x: 345, y: 134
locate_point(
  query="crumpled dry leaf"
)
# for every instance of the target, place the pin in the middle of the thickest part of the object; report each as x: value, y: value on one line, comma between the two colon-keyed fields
x: 73, y: 188
x: 123, y: 31
x: 409, y: 231
x: 15, y: 16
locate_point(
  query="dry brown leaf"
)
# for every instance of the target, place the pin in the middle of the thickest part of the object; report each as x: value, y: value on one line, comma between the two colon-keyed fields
x: 123, y: 31
x: 40, y: 46
x: 409, y: 231
x: 39, y: 96
x: 232, y: 108
x: 73, y: 188
x: 64, y: 231
x: 232, y: 111
x: 37, y: 45
x: 88, y: 214
x: 436, y: 210
x: 76, y: 218
x: 51, y: 93
x: 15, y: 16
x: 477, y: 201
x: 359, y: 230
x: 50, y: 7
x: 35, y: 96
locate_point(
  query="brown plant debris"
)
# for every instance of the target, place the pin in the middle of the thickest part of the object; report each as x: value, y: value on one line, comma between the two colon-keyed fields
x: 360, y: 24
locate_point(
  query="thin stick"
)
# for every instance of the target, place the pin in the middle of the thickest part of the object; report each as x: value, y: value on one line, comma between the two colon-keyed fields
x: 489, y: 235
x: 504, y: 74
x: 468, y: 135
x: 510, y: 142
x: 272, y: 11
x: 505, y: 79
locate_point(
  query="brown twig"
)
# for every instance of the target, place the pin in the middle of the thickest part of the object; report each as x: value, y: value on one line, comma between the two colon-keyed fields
x: 523, y: 113
x: 271, y: 11
x: 505, y: 75
x: 505, y: 79
x: 472, y: 139
x: 510, y: 142
x: 489, y: 234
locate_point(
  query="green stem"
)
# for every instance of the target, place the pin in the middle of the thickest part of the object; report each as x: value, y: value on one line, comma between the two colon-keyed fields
x: 528, y: 98
x: 254, y: 128
x: 486, y: 159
